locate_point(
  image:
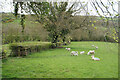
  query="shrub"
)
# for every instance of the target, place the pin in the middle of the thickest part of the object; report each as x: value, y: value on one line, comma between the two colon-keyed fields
x: 4, y: 52
x: 25, y: 48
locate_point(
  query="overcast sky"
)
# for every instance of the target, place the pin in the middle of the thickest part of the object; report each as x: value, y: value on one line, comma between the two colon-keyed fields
x: 7, y: 6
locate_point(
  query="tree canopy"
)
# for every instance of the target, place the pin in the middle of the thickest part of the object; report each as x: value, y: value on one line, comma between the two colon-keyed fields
x: 57, y: 17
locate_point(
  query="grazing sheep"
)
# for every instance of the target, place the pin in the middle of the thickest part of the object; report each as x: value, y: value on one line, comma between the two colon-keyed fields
x: 67, y: 49
x: 94, y: 58
x: 92, y: 45
x: 82, y: 52
x: 91, y: 52
x: 74, y: 53
x: 88, y: 53
x: 96, y: 47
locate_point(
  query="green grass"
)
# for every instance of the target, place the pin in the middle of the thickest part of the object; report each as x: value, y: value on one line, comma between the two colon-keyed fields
x: 27, y: 43
x: 57, y: 63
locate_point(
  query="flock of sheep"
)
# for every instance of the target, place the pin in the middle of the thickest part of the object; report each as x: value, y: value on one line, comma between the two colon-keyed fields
x: 75, y: 53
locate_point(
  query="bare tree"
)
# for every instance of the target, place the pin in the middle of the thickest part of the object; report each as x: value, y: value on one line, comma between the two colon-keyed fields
x: 108, y: 15
x: 56, y: 17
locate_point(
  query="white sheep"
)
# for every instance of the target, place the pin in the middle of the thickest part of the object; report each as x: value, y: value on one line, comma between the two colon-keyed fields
x: 74, y: 53
x: 96, y: 47
x: 67, y: 49
x: 82, y: 52
x: 92, y: 45
x: 91, y: 52
x: 94, y: 58
x: 88, y: 53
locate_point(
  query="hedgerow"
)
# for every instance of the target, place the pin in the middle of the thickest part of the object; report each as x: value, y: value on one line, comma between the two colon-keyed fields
x: 25, y: 48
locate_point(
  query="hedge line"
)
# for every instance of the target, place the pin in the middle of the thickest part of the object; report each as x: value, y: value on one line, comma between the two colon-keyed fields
x: 25, y: 48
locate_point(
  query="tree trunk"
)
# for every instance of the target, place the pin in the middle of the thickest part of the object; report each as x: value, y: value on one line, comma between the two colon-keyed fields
x: 54, y: 39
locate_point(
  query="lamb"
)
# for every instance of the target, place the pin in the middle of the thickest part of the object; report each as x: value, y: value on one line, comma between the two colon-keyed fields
x: 91, y: 52
x: 67, y: 49
x: 95, y: 59
x: 74, y: 53
x: 82, y: 52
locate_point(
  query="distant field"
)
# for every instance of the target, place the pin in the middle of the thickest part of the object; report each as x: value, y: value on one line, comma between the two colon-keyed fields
x: 57, y: 63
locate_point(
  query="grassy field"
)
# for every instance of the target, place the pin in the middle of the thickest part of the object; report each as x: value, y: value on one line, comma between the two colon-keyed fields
x: 57, y: 63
